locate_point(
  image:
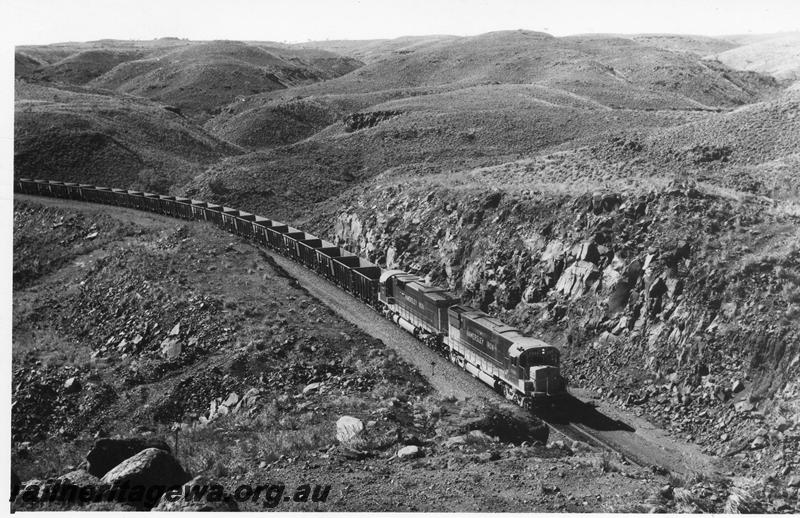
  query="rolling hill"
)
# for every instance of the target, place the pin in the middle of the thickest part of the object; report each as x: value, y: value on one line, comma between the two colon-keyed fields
x: 200, y: 78
x: 195, y: 77
x: 95, y: 136
x: 776, y: 54
x: 606, y: 72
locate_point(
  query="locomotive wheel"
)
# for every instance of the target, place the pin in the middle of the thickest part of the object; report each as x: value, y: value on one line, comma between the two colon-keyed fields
x: 508, y: 392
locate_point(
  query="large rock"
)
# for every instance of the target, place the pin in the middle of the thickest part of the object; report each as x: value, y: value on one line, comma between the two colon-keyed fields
x: 171, y: 348
x: 576, y: 279
x: 80, y: 478
x: 177, y: 502
x: 408, y: 452
x: 107, y: 453
x: 148, y: 469
x: 348, y: 428
x: 72, y: 385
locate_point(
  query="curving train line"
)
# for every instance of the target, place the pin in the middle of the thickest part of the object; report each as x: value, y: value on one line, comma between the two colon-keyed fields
x: 522, y: 369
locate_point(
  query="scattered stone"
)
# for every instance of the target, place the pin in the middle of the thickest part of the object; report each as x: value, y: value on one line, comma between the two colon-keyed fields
x: 458, y: 440
x: 489, y: 456
x: 170, y: 348
x: 311, y: 387
x: 231, y: 400
x: 408, y: 452
x: 549, y: 489
x: 72, y: 385
x: 737, y: 386
x: 79, y: 477
x: 479, y: 436
x: 347, y: 428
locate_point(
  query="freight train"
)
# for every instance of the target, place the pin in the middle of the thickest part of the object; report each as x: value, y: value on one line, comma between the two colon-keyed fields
x: 525, y: 370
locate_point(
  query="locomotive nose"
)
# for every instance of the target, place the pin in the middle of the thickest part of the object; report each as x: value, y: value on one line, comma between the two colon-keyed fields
x: 546, y: 379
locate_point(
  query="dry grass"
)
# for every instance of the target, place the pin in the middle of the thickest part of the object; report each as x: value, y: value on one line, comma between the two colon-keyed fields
x: 239, y: 443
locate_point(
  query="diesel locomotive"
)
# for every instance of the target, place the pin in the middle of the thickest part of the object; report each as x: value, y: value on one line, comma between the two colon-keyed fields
x: 525, y: 370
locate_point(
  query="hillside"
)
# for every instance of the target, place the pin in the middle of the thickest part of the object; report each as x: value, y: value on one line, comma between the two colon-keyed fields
x: 370, y: 51
x: 776, y: 54
x: 674, y: 299
x: 694, y: 44
x: 196, y: 77
x: 591, y: 66
x: 597, y: 71
x: 457, y: 103
x: 99, y: 137
x: 200, y: 78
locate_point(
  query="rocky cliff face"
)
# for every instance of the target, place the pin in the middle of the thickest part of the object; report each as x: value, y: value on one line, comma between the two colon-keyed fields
x: 678, y: 301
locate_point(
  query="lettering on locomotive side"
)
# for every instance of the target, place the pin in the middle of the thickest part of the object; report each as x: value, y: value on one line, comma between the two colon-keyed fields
x: 410, y: 299
x: 475, y: 337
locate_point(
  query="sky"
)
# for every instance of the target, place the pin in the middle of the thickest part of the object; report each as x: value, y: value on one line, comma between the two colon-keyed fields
x: 48, y: 21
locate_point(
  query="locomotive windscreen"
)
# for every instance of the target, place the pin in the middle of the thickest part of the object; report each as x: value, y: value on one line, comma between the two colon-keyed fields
x: 539, y: 356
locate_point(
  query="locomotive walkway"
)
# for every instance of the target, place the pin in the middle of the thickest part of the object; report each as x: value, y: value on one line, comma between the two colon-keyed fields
x: 626, y: 434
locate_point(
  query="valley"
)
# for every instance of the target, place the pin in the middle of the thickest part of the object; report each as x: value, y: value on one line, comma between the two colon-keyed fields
x: 633, y: 199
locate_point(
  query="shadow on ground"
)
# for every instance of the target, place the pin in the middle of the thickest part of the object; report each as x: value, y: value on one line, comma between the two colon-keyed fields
x: 571, y: 410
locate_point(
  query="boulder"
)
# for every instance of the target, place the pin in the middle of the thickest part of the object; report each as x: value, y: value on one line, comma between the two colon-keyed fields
x: 311, y: 387
x: 576, y: 278
x: 458, y: 440
x: 178, y: 502
x: 231, y: 400
x: 175, y: 330
x: 479, y: 436
x: 149, y: 468
x: 251, y: 396
x: 107, y: 453
x: 347, y: 428
x: 488, y: 456
x: 409, y: 452
x: 170, y: 348
x: 80, y: 478
x: 72, y: 385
